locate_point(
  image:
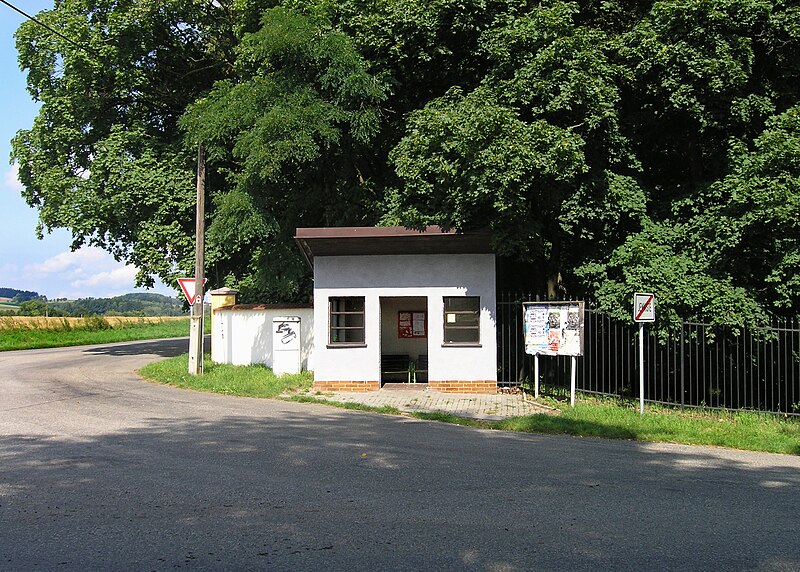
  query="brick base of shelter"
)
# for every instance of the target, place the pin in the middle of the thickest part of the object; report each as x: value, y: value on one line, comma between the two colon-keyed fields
x: 487, y: 386
x: 342, y: 386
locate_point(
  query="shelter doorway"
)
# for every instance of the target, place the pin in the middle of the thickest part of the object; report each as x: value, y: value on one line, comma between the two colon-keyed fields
x: 404, y: 340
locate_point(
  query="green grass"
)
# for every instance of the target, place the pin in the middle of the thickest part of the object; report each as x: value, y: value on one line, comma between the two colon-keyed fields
x: 605, y: 418
x: 609, y: 419
x: 246, y: 381
x: 93, y: 331
x: 385, y: 409
x: 599, y: 418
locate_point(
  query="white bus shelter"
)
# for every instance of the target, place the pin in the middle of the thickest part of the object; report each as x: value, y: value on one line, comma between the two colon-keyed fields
x: 400, y: 305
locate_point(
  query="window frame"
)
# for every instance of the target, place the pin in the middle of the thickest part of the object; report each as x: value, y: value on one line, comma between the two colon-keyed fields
x: 446, y: 327
x: 332, y: 327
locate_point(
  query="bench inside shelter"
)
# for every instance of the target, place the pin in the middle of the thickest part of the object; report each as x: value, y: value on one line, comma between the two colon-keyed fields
x: 396, y: 367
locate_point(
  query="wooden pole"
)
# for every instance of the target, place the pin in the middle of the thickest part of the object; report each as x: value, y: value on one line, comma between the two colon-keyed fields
x: 196, y: 327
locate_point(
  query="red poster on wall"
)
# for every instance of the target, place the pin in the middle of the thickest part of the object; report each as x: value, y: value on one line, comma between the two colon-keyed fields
x: 412, y: 324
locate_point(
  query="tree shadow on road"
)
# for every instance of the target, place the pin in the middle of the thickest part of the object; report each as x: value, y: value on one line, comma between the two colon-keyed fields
x: 265, y: 484
x: 164, y: 348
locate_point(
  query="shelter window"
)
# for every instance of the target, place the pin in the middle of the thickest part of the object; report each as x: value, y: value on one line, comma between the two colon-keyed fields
x: 346, y: 319
x: 462, y: 320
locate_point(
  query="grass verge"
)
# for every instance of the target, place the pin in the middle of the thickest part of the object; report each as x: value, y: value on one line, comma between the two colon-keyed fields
x: 749, y: 431
x: 386, y: 409
x: 92, y: 330
x: 246, y: 381
x: 609, y: 419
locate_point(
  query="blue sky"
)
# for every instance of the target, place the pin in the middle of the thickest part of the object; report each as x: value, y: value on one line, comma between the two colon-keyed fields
x: 26, y: 263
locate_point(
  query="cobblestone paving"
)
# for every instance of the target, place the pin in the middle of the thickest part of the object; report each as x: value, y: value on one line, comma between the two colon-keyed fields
x: 492, y: 407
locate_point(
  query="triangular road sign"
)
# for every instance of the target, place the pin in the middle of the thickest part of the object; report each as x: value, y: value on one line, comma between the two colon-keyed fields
x: 187, y: 285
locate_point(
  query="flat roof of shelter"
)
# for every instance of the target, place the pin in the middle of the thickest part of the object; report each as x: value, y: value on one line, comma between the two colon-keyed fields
x: 377, y: 240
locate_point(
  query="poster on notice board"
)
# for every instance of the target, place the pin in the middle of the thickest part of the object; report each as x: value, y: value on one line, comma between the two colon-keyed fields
x: 553, y: 328
x: 412, y: 324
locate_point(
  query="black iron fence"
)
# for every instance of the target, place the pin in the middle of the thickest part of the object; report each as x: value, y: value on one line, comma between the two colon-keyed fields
x: 702, y: 366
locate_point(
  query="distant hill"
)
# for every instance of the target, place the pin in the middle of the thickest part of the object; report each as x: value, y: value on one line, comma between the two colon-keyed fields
x: 135, y: 304
x: 18, y: 296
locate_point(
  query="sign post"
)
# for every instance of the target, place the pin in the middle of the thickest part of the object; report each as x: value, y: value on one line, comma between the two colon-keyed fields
x: 643, y: 311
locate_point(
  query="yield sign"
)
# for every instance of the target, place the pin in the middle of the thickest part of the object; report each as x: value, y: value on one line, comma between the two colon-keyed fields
x: 644, y: 307
x: 187, y: 285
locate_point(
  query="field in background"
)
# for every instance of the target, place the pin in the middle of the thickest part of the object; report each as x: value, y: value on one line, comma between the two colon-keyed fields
x: 23, y: 333
x: 42, y: 323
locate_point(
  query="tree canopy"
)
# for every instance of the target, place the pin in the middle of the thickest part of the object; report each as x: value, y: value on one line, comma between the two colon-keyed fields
x: 610, y: 146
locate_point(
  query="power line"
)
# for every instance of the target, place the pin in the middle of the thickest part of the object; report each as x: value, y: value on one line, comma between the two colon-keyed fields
x: 143, y: 98
x: 156, y: 106
x: 52, y: 30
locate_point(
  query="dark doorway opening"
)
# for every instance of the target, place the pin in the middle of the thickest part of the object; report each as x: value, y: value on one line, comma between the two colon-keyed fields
x: 404, y: 341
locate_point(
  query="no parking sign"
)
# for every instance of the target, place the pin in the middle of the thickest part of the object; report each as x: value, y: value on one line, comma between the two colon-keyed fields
x: 644, y: 307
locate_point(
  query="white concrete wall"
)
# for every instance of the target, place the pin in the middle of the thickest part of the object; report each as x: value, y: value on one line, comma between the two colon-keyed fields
x: 432, y: 276
x: 244, y: 336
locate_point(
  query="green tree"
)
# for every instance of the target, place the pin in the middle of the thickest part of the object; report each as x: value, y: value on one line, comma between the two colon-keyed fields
x: 751, y: 223
x: 293, y: 134
x: 39, y: 307
x: 611, y: 146
x: 535, y: 153
x: 705, y: 79
x: 469, y: 162
x: 104, y: 157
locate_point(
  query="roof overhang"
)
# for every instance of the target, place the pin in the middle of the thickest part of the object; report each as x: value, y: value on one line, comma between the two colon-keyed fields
x: 389, y: 240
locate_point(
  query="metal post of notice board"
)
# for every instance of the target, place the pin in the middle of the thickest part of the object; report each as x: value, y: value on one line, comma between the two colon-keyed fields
x: 573, y: 375
x: 644, y: 310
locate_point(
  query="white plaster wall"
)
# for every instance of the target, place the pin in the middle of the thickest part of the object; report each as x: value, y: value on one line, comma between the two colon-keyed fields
x: 220, y: 336
x: 432, y: 276
x: 244, y: 337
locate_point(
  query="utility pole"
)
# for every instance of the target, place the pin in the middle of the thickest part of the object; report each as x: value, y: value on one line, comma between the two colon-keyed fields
x: 196, y: 327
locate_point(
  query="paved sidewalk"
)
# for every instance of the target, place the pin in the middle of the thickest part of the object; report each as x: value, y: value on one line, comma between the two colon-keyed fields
x: 491, y: 407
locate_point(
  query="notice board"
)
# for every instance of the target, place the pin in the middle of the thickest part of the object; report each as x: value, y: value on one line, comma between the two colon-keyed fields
x: 553, y: 328
x: 412, y: 324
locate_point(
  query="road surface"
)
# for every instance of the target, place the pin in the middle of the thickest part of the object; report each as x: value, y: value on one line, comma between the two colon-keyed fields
x: 102, y: 470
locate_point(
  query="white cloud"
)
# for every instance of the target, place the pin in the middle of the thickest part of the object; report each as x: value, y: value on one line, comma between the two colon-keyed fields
x: 124, y: 276
x: 11, y: 179
x: 75, y: 262
x: 89, y: 272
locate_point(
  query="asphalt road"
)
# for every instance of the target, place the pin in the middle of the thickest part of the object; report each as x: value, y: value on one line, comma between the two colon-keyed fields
x: 101, y: 470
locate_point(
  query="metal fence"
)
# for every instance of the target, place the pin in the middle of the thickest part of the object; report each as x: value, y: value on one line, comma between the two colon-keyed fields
x: 701, y: 366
